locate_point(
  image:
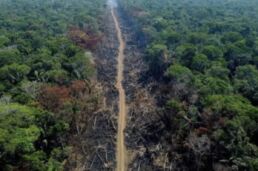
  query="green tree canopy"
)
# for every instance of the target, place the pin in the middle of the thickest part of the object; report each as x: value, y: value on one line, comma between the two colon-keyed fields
x: 246, y: 81
x: 200, y: 62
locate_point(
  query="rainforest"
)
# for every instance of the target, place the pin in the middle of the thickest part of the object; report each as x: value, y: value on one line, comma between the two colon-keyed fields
x: 128, y: 85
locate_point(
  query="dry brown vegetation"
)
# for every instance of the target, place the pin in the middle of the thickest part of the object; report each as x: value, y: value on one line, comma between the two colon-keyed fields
x: 84, y: 38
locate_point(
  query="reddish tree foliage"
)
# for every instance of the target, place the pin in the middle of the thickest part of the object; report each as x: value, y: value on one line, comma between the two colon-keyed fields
x: 53, y: 97
x: 201, y: 131
x: 85, y: 39
x: 78, y: 88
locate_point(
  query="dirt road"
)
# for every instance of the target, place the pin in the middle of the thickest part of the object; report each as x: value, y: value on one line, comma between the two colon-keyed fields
x: 121, y: 149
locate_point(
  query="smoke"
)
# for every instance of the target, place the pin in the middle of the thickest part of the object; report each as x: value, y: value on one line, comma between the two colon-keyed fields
x: 112, y: 3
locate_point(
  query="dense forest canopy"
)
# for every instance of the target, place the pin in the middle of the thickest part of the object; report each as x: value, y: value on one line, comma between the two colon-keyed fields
x: 205, y: 53
x: 201, y: 63
x: 42, y: 73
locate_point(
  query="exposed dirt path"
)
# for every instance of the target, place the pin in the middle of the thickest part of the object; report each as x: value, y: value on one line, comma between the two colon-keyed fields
x: 121, y: 149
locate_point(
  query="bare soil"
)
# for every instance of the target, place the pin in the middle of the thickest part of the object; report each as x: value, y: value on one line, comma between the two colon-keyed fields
x: 120, y: 146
